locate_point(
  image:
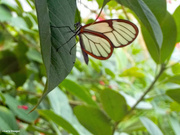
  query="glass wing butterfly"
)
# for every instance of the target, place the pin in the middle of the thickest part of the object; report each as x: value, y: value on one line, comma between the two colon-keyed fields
x: 98, y: 39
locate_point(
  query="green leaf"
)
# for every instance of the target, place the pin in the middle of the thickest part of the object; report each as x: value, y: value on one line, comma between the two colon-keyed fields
x: 8, y: 118
x: 22, y: 114
x: 169, y: 39
x: 150, y: 126
x: 133, y: 72
x: 177, y: 20
x: 176, y: 68
x: 146, y: 16
x: 58, y: 120
x: 109, y: 72
x: 174, y: 79
x: 174, y: 106
x: 169, y: 30
x: 78, y: 91
x: 174, y: 94
x: 94, y: 120
x: 114, y: 104
x: 59, y: 63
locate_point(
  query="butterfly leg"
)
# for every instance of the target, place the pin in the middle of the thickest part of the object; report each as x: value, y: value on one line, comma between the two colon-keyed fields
x: 71, y: 30
x: 65, y: 43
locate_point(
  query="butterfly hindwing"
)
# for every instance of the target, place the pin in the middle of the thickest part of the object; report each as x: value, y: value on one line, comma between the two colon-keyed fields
x: 96, y: 45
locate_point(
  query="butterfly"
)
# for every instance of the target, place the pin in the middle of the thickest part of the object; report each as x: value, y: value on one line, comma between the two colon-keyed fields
x: 99, y: 39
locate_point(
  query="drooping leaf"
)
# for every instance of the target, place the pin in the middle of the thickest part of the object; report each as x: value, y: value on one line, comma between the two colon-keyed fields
x: 93, y: 119
x: 114, y: 104
x: 59, y: 63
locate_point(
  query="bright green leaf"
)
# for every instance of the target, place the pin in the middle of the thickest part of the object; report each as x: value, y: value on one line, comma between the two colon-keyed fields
x: 114, y: 104
x: 58, y: 120
x: 152, y: 128
x: 109, y: 72
x: 177, y: 20
x: 174, y: 94
x: 93, y: 119
x: 133, y: 72
x: 176, y: 68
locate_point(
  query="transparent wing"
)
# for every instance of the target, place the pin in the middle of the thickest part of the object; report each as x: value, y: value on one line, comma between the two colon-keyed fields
x: 96, y: 45
x: 119, y: 32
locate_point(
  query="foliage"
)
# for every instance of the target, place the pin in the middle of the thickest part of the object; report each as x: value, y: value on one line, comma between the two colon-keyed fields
x: 136, y: 91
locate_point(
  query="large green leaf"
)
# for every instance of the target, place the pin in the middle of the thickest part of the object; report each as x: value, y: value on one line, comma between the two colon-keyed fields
x: 145, y: 15
x: 59, y: 63
x: 94, y: 120
x: 158, y: 27
x: 150, y: 126
x: 59, y: 121
x: 114, y: 104
x: 174, y: 94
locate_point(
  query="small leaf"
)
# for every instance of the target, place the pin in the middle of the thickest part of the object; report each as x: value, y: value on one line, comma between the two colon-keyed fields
x: 109, y: 72
x: 93, y: 119
x: 133, y: 72
x: 150, y: 126
x: 114, y: 104
x: 174, y: 94
x: 58, y: 120
x: 78, y: 91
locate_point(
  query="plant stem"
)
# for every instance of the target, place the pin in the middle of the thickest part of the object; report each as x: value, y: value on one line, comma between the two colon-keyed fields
x: 150, y: 87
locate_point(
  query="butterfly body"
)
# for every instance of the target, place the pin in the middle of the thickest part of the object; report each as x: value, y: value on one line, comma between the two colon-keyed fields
x: 100, y: 38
